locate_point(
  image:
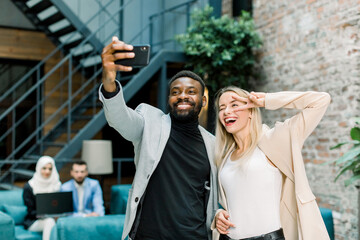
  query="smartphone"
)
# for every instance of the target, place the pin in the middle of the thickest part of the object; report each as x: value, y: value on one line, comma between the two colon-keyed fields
x: 141, y: 59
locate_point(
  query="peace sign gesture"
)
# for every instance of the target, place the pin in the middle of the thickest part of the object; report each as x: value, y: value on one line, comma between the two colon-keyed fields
x: 254, y: 99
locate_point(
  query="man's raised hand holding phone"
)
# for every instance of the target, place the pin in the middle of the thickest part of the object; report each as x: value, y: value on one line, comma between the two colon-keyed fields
x: 109, y: 57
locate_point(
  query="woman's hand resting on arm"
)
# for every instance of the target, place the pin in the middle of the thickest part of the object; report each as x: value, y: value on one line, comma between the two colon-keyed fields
x: 222, y: 223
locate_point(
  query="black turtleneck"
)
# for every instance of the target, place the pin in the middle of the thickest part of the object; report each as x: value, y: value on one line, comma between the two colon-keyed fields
x: 174, y: 206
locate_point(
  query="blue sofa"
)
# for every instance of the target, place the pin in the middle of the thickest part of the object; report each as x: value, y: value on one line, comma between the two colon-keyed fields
x: 329, y: 221
x: 12, y: 214
x: 6, y: 226
x: 13, y: 211
x: 119, y: 197
x: 107, y: 227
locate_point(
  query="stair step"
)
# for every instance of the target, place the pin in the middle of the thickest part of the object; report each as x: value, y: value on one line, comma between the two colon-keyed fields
x: 73, y: 44
x: 23, y: 172
x: 63, y: 31
x: 83, y: 117
x: 97, y: 104
x: 8, y: 186
x: 53, y: 19
x: 92, y: 61
x: 82, y: 55
x: 32, y: 157
x: 40, y: 6
x: 55, y: 144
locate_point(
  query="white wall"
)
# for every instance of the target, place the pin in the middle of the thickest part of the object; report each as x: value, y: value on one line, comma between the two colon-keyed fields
x: 11, y: 16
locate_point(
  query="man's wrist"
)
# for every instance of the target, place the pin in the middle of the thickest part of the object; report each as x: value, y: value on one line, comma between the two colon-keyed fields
x: 109, y: 86
x: 108, y: 94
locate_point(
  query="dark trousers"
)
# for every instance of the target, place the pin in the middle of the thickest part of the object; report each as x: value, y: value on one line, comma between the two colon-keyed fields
x: 276, y: 235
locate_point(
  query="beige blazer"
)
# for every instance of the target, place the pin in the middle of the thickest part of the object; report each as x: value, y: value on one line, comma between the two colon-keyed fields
x: 299, y: 212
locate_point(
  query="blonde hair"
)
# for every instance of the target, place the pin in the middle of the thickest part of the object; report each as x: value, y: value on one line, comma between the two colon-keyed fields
x: 225, y: 142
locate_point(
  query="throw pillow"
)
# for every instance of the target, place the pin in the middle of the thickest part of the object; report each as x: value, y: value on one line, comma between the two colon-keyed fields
x: 18, y: 213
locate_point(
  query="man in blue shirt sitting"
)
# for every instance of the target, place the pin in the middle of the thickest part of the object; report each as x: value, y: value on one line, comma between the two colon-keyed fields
x: 87, y: 193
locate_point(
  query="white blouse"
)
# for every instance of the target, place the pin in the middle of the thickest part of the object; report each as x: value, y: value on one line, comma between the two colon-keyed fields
x: 253, y: 194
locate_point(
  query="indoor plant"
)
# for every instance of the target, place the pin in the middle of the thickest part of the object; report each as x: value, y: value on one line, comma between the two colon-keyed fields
x: 350, y: 161
x: 221, y: 50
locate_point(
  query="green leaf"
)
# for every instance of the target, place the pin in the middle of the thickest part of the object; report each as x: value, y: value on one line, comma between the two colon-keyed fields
x: 226, y: 55
x: 346, y: 167
x: 351, y: 180
x: 355, y: 142
x: 338, y: 145
x: 356, y: 120
x: 355, y: 133
x: 348, y: 156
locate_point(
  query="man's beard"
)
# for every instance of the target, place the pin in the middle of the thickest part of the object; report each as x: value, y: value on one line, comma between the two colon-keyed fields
x: 189, y: 115
x: 80, y: 182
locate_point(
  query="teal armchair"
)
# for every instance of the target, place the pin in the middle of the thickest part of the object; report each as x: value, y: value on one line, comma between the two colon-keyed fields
x: 12, y: 214
x: 329, y: 221
x: 7, y: 230
x: 119, y: 197
x: 109, y: 227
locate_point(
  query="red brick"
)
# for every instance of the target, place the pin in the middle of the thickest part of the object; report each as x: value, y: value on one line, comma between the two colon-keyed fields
x: 318, y: 161
x: 343, y: 124
x: 310, y: 1
x: 324, y: 154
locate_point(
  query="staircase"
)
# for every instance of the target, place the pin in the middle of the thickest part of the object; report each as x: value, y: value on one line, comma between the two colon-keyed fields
x: 63, y: 28
x: 67, y: 110
x: 58, y: 13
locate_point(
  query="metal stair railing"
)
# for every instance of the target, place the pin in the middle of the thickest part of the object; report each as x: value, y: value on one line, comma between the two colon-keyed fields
x: 166, y: 11
x: 67, y: 106
x: 37, y: 87
x: 37, y: 69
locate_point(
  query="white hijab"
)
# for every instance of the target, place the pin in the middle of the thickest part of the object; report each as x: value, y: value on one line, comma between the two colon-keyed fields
x: 39, y: 184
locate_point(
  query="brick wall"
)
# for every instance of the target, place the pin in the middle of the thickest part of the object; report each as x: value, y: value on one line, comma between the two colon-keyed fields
x: 315, y: 45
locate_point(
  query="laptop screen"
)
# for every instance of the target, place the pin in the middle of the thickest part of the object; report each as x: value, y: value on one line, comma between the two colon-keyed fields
x: 57, y: 203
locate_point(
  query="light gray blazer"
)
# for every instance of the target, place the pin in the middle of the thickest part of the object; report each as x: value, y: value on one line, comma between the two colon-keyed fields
x: 148, y: 128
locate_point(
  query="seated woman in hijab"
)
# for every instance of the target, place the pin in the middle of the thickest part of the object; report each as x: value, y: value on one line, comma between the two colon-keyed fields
x: 45, y: 180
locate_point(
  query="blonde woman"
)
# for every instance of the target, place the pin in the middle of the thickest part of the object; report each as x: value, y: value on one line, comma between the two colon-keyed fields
x: 263, y: 186
x: 45, y: 180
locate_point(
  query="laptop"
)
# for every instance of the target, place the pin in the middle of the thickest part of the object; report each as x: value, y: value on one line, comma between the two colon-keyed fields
x: 55, y: 204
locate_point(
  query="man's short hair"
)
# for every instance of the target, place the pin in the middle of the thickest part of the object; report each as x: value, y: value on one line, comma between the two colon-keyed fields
x: 189, y: 74
x: 78, y: 162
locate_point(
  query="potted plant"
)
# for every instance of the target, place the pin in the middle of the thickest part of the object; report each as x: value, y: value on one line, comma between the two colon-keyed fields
x: 350, y: 161
x: 221, y: 50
